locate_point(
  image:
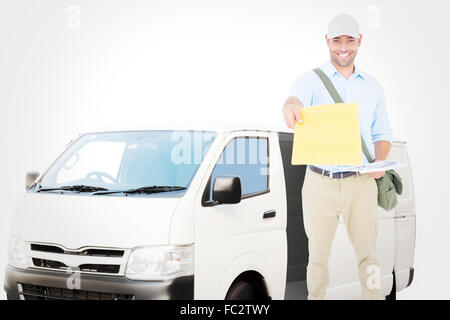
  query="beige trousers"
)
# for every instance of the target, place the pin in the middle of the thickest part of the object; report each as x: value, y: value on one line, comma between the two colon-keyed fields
x: 323, y: 200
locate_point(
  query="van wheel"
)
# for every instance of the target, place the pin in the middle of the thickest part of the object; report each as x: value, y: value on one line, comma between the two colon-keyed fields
x: 393, y: 294
x: 242, y: 290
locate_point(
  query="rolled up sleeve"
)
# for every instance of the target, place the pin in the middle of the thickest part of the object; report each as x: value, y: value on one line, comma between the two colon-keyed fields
x: 381, y: 128
x: 302, y: 90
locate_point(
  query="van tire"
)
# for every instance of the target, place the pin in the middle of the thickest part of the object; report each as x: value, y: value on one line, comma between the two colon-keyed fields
x: 242, y: 290
x: 393, y: 294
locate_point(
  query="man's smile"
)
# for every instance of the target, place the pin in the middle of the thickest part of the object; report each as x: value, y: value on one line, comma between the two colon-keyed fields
x: 343, y: 55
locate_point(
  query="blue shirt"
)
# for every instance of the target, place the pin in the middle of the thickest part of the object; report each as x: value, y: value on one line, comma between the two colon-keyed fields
x: 360, y: 88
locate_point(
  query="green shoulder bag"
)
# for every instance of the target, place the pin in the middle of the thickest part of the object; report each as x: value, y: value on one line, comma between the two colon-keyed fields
x: 390, y: 184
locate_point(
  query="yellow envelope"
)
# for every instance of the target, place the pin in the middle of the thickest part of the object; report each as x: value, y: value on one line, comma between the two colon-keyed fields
x: 329, y: 135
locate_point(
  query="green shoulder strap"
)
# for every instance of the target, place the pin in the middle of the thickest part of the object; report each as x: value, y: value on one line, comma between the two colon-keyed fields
x: 337, y: 99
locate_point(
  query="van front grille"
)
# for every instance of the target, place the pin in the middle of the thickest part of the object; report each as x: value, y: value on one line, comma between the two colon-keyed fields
x: 45, y: 248
x: 33, y: 292
x: 108, y: 261
x: 104, y: 268
x: 86, y: 252
x: 44, y: 263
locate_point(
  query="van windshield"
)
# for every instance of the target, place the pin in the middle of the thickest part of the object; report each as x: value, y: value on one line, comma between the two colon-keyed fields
x: 129, y: 160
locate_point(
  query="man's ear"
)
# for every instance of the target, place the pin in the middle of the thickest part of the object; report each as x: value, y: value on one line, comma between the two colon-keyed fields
x: 359, y: 40
x: 326, y: 39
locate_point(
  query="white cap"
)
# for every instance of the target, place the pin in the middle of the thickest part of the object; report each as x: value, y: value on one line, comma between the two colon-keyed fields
x: 343, y: 24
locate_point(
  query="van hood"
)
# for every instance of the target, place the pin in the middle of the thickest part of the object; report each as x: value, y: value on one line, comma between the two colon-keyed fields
x: 76, y: 221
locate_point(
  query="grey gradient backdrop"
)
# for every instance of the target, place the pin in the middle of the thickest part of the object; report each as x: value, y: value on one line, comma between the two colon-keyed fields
x: 72, y: 66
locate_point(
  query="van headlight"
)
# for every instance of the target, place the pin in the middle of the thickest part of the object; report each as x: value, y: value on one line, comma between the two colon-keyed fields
x: 160, y: 262
x: 17, y: 253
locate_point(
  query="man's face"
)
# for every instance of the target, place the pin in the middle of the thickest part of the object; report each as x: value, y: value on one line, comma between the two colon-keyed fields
x: 343, y: 49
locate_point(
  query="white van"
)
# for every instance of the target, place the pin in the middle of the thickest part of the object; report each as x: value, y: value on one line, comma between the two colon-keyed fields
x: 185, y: 211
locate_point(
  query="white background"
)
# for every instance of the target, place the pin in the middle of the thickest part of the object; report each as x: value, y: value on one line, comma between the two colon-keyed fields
x: 72, y: 66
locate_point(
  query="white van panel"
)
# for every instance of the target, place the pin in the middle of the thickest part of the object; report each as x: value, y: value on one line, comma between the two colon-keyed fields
x: 405, y: 220
x: 75, y: 221
x: 405, y: 246
x: 234, y: 238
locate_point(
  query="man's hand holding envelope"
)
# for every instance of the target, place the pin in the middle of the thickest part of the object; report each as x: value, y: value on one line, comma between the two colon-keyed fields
x: 326, y: 134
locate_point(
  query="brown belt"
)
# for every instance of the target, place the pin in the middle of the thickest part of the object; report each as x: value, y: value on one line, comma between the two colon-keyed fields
x: 334, y: 175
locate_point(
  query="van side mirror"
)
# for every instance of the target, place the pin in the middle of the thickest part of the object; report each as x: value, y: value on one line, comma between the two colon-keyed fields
x: 30, y: 178
x: 227, y: 190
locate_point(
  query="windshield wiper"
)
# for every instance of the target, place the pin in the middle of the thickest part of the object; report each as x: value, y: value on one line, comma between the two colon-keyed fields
x: 146, y: 190
x: 79, y: 188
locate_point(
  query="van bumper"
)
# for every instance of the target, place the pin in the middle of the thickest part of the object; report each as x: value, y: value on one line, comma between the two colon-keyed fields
x: 48, y: 285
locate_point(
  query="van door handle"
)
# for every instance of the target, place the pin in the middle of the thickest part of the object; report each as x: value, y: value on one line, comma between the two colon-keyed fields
x: 269, y: 214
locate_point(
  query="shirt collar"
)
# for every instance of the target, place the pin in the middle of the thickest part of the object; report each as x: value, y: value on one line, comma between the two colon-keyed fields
x: 330, y: 70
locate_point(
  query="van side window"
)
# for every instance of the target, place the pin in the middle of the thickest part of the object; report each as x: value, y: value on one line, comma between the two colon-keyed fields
x: 248, y: 158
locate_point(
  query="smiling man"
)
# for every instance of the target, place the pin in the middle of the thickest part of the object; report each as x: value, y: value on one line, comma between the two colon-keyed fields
x: 325, y: 195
